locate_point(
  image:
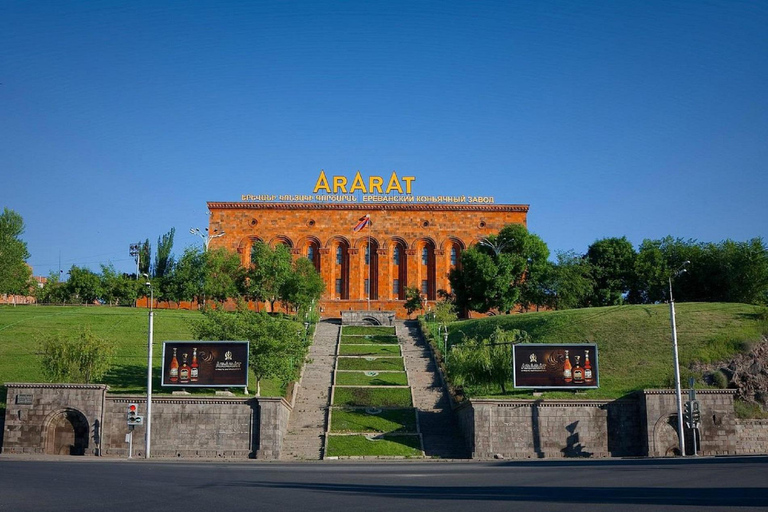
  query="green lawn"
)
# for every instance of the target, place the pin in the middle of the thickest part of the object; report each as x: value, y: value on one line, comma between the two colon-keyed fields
x: 371, y: 363
x: 386, y: 446
x: 371, y: 379
x: 378, y: 421
x: 372, y: 397
x: 634, y: 342
x: 22, y: 327
x: 372, y: 339
x: 365, y: 330
x: 369, y: 350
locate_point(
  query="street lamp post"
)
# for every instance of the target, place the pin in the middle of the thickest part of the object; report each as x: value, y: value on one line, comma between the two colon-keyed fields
x: 149, y: 367
x: 207, y: 237
x: 678, y: 391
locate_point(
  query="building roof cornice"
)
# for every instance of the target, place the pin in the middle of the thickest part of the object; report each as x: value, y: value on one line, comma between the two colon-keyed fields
x: 216, y: 205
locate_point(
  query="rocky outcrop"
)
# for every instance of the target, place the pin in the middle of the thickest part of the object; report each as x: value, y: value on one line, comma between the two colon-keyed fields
x: 746, y: 373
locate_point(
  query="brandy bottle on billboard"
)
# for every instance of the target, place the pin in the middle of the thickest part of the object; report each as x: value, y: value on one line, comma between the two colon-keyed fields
x: 173, y: 372
x: 567, y: 371
x: 193, y: 369
x: 578, y: 372
x: 588, y: 377
x: 184, y: 370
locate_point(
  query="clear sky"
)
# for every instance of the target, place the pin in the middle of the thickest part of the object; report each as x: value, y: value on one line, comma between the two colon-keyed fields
x: 119, y: 120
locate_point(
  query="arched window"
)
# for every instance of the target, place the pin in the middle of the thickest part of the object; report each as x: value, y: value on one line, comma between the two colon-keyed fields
x: 425, y: 256
x: 311, y: 253
x: 396, y: 255
x: 454, y: 256
x: 339, y: 254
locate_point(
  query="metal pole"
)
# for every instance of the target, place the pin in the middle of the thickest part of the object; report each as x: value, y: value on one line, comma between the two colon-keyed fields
x: 149, y: 371
x: 678, y: 392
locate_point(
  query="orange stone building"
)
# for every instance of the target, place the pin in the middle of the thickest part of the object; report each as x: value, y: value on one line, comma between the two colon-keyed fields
x: 405, y: 245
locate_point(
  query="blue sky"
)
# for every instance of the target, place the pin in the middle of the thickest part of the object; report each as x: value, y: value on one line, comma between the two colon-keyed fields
x: 120, y: 120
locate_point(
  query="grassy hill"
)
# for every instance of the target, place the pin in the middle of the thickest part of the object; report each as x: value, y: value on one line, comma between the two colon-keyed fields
x: 22, y: 327
x: 634, y: 342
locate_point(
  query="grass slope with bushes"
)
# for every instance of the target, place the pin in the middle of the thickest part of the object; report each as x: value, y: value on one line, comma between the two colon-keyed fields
x: 23, y: 327
x: 634, y: 342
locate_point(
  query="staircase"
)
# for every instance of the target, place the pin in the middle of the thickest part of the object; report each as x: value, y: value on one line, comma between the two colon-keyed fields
x: 437, y: 422
x: 306, y: 427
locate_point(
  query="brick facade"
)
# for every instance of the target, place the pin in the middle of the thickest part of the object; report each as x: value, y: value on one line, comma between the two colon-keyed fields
x: 413, y: 245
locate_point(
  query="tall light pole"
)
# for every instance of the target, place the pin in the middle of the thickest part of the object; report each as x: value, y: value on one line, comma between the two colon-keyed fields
x: 135, y: 251
x: 149, y: 367
x: 678, y: 391
x: 207, y: 237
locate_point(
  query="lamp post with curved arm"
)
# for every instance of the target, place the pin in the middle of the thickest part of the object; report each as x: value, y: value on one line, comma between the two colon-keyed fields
x: 678, y: 391
x: 206, y: 236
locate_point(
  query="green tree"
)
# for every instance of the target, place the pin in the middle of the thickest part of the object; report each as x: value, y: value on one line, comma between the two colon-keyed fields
x: 569, y: 283
x: 187, y: 278
x: 277, y: 346
x: 613, y: 263
x: 269, y: 270
x: 303, y: 286
x: 163, y: 258
x: 83, y: 285
x: 485, y: 281
x: 82, y: 357
x: 412, y: 300
x: 53, y: 291
x: 484, y: 362
x: 223, y: 274
x: 15, y: 274
x: 117, y: 288
x: 145, y: 254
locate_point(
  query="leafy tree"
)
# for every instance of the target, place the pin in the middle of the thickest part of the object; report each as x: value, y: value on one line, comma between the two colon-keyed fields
x: 484, y: 362
x: 484, y: 281
x: 303, y: 286
x: 15, y: 274
x: 145, y: 253
x: 187, y: 278
x: 445, y: 311
x: 163, y: 258
x: 223, y: 274
x: 277, y: 347
x: 613, y: 263
x: 83, y: 285
x: 412, y: 300
x: 53, y: 291
x: 76, y: 358
x: 569, y: 282
x: 270, y: 269
x: 116, y: 287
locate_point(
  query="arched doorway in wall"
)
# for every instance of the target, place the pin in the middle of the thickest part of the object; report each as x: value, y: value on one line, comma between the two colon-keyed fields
x: 340, y: 259
x: 453, y: 250
x: 426, y: 255
x: 66, y: 433
x: 399, y: 269
x: 312, y: 252
x: 371, y: 277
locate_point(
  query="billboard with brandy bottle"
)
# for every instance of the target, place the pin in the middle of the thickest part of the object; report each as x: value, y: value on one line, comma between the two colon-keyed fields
x: 205, y: 364
x: 542, y: 366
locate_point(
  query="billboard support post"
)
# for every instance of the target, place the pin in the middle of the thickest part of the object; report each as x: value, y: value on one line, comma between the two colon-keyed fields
x: 150, y: 336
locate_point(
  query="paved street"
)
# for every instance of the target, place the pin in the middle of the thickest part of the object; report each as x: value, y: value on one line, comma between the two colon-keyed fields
x: 90, y: 484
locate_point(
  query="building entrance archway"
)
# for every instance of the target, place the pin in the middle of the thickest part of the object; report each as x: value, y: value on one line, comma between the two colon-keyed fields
x: 66, y: 433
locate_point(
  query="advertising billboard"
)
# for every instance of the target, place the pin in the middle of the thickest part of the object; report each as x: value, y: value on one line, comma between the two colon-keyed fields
x: 205, y: 364
x: 560, y: 366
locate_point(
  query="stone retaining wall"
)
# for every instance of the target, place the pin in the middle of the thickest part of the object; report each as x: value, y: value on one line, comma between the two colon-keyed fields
x: 82, y: 419
x: 752, y: 436
x: 549, y: 428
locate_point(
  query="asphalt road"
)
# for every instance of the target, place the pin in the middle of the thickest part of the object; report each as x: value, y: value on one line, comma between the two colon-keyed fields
x: 91, y: 484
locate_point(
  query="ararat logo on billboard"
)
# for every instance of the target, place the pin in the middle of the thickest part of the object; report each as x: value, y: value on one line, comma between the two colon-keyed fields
x: 206, y: 364
x: 562, y: 366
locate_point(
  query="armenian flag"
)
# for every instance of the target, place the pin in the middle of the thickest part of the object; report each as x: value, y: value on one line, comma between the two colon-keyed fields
x: 362, y: 223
